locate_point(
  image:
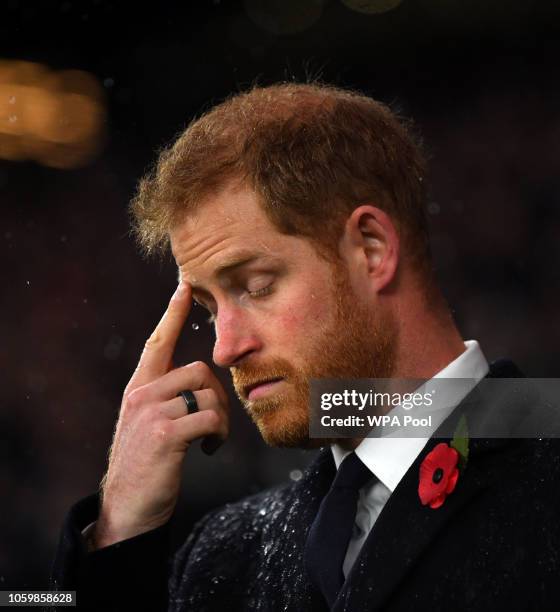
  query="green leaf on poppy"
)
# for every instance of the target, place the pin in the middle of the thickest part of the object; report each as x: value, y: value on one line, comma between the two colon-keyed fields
x: 460, y: 441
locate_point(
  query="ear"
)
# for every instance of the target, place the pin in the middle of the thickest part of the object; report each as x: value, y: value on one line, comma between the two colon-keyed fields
x: 370, y: 246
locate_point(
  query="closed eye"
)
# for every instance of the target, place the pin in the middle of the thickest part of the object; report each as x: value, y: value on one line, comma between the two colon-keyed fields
x: 254, y: 294
x: 261, y: 292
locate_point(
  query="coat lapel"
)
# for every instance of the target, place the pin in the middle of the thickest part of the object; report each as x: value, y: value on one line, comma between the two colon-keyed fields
x: 405, y: 528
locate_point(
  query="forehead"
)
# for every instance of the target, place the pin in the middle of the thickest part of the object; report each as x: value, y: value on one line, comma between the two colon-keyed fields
x: 227, y: 227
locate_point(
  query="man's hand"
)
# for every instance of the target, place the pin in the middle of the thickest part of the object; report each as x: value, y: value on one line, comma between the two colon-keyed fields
x: 154, y: 431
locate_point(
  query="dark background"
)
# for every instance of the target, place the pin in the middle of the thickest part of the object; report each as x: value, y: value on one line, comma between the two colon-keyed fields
x: 480, y: 79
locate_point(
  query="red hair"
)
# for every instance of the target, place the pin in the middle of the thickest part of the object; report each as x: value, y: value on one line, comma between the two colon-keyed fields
x: 311, y: 152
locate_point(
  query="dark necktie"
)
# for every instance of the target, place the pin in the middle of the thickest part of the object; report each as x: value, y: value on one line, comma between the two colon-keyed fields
x: 329, y: 535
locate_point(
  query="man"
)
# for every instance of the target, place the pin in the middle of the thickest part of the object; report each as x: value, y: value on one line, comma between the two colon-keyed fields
x: 296, y: 216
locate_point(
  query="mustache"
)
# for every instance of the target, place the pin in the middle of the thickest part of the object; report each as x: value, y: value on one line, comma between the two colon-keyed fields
x: 249, y: 375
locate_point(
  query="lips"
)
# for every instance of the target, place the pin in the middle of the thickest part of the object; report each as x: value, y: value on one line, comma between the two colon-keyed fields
x: 248, y: 388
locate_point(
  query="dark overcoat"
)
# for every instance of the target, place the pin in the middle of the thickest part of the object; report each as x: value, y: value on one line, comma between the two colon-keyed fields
x: 493, y: 545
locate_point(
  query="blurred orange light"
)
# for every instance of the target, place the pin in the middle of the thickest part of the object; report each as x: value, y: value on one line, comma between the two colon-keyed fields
x: 55, y: 118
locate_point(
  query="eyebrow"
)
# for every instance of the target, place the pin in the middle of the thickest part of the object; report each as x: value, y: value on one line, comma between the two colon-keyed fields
x: 236, y: 261
x: 231, y: 263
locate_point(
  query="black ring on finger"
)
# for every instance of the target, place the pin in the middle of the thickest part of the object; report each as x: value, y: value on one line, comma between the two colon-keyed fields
x: 190, y: 401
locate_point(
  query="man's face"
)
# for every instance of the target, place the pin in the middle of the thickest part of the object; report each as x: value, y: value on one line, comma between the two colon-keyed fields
x: 282, y: 313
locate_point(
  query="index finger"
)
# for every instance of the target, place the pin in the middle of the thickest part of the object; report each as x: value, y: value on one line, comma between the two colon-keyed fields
x: 160, y: 346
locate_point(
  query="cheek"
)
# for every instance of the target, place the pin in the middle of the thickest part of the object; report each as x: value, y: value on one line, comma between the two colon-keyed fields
x: 306, y: 315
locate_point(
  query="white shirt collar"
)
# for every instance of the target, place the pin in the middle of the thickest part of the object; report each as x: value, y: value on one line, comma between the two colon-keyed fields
x: 390, y: 458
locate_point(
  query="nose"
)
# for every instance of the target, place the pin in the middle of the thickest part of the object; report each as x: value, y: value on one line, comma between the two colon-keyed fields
x: 236, y: 337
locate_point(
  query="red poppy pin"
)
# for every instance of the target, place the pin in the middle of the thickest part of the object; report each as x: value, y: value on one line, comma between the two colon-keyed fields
x: 439, y: 471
